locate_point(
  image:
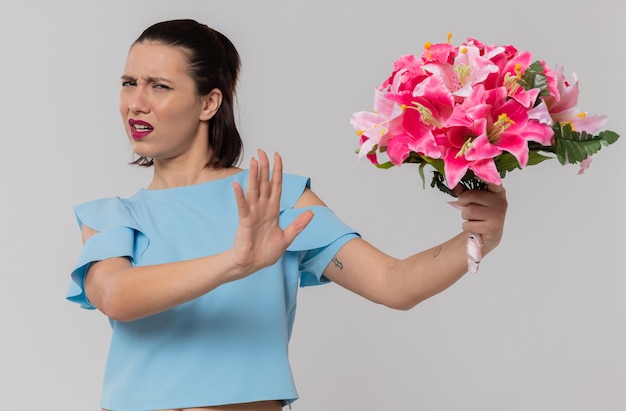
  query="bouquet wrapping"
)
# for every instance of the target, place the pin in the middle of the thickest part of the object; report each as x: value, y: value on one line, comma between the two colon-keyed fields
x: 475, y: 112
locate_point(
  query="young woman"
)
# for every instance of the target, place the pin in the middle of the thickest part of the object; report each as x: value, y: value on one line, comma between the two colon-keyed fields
x: 198, y: 272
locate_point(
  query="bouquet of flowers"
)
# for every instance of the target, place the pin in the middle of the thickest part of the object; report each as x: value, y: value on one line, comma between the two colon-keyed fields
x: 474, y: 112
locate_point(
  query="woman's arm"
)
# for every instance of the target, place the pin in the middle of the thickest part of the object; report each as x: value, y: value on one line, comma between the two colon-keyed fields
x: 402, y: 284
x: 126, y: 293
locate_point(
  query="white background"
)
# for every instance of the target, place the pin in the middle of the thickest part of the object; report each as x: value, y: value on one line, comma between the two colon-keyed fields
x: 541, y: 327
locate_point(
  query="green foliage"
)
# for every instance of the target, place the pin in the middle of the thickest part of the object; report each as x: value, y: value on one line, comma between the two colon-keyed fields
x: 468, y: 182
x: 506, y: 161
x: 534, y: 77
x: 385, y: 166
x: 439, y: 181
x: 574, y: 146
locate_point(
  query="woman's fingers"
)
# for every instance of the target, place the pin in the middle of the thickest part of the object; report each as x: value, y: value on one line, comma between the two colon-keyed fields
x: 297, y: 225
x: 264, y: 174
x: 261, y: 183
x: 277, y: 178
x: 495, y: 188
x: 252, y: 191
x: 239, y: 197
x: 260, y: 240
x: 264, y: 188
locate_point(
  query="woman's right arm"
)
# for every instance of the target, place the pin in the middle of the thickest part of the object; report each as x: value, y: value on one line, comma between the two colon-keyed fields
x: 125, y: 293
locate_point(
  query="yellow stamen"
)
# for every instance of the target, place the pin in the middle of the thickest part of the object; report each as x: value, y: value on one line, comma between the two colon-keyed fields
x: 499, y: 127
x: 427, y: 46
x: 511, y: 83
x: 465, y: 147
x: 449, y: 37
x: 426, y: 115
x: 464, y: 73
x: 582, y: 114
x: 464, y: 50
x: 380, y: 128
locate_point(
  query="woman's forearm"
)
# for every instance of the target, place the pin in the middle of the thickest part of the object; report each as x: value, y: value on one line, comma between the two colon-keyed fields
x: 398, y: 283
x: 423, y: 275
x: 127, y: 293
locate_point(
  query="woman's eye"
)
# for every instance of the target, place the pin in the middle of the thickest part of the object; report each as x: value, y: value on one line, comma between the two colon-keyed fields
x: 128, y: 83
x: 161, y: 87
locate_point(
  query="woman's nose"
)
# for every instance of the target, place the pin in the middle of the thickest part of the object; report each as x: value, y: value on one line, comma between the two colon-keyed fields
x: 138, y: 102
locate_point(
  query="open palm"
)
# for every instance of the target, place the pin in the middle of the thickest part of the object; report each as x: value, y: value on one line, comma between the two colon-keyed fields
x: 260, y: 241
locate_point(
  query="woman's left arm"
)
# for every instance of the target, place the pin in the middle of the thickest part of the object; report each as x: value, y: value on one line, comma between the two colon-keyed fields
x: 403, y: 283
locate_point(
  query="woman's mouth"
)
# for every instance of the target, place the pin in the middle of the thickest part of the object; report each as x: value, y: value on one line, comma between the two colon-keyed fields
x: 139, y: 129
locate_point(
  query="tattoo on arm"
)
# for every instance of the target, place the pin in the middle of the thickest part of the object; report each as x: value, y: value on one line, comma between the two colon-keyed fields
x: 337, y: 263
x: 437, y: 251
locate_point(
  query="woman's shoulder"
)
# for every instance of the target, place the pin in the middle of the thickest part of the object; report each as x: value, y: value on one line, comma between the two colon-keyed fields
x: 104, y: 213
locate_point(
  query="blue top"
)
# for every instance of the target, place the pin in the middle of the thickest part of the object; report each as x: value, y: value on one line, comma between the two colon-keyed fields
x: 228, y: 346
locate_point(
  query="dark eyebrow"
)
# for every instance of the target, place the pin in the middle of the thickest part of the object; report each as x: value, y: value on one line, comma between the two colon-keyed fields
x: 150, y: 80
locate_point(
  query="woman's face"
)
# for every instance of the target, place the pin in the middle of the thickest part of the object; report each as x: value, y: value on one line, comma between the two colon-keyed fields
x: 163, y: 115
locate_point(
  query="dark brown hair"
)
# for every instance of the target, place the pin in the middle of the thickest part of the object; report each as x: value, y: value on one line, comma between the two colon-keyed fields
x: 213, y: 62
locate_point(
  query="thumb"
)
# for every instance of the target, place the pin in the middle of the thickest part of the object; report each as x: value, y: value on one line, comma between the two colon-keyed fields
x: 495, y: 188
x: 298, y: 225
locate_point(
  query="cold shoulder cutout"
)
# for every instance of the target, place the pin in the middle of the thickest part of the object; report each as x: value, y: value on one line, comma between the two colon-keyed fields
x: 293, y: 187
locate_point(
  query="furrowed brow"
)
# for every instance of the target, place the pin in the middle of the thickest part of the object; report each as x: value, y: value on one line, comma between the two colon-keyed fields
x: 148, y: 80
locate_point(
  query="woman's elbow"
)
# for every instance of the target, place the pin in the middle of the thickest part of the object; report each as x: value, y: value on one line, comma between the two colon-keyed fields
x: 116, y: 311
x: 108, y: 301
x: 401, y: 303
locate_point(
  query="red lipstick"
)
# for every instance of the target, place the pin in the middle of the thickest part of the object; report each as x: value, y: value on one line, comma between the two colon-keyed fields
x: 139, y: 129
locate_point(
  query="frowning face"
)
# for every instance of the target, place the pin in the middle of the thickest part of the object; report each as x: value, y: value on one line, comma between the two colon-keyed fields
x: 163, y: 115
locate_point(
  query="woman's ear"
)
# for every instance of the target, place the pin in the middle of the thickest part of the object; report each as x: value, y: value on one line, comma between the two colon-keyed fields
x: 210, y: 104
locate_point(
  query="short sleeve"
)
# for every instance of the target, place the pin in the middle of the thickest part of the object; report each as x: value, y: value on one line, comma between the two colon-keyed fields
x: 318, y: 243
x: 118, y: 235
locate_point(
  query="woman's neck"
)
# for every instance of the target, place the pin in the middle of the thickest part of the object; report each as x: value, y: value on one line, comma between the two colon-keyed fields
x: 170, y: 174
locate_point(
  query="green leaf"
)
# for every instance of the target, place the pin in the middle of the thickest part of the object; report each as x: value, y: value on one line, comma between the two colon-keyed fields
x: 534, y: 77
x: 421, y: 171
x: 440, y: 182
x: 437, y: 164
x: 535, y: 158
x: 413, y: 158
x: 575, y: 146
x: 608, y: 137
x: 385, y: 166
x: 506, y: 162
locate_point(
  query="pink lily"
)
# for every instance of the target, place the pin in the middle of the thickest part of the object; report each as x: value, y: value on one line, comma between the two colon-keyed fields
x: 508, y: 129
x: 407, y: 72
x: 372, y: 126
x: 456, y: 163
x: 469, y: 69
x: 563, y: 110
x: 425, y: 110
x: 467, y: 124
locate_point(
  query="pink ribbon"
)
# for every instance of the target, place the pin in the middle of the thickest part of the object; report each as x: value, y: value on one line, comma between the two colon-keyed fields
x: 473, y: 246
x: 474, y: 252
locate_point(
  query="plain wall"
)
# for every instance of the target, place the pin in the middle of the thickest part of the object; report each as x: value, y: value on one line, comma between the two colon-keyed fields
x: 542, y: 326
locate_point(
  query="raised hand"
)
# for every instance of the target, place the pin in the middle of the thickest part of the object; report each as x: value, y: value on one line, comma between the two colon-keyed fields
x: 260, y: 241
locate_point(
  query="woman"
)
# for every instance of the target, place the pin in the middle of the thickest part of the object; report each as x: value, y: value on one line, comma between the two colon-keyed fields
x: 198, y: 273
